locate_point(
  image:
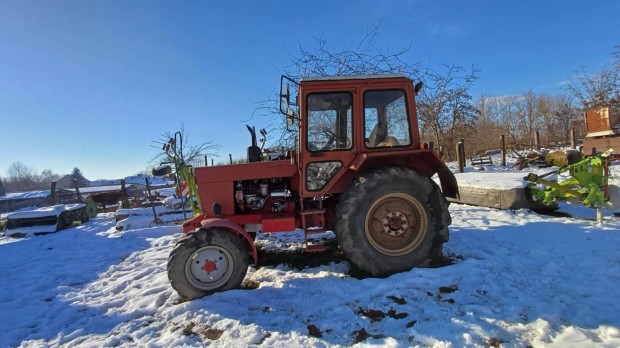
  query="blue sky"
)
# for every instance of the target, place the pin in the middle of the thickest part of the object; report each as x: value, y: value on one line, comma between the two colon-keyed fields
x: 92, y: 83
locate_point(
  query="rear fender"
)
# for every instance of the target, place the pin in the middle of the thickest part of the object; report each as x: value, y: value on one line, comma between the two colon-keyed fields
x: 233, y: 228
x: 449, y: 186
x: 429, y: 163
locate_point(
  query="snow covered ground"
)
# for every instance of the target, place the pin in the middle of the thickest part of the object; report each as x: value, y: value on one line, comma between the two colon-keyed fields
x: 518, y: 279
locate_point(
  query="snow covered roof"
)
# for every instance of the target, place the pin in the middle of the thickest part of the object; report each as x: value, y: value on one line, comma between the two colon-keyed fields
x: 25, y: 195
x: 136, y: 180
x: 54, y: 210
x: 141, y: 180
x: 92, y: 189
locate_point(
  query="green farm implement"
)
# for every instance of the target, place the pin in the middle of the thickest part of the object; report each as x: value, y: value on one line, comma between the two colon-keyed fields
x: 587, y: 183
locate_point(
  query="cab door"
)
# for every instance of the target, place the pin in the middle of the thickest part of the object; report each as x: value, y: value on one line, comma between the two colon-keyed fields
x: 327, y: 139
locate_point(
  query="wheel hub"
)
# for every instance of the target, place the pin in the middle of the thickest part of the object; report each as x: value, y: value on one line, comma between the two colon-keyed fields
x: 209, y: 266
x: 395, y: 223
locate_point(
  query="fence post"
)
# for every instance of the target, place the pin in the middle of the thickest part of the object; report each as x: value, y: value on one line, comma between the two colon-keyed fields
x: 150, y: 199
x: 124, y: 192
x: 230, y: 157
x: 459, y: 156
x: 502, y: 144
x: 431, y: 145
x: 53, y: 192
x: 537, y: 140
x: 573, y: 144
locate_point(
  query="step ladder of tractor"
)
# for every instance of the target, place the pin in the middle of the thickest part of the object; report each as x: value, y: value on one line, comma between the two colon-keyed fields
x: 307, y: 216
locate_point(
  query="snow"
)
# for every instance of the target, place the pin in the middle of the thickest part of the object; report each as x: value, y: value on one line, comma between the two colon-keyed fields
x: 165, y: 192
x: 142, y: 211
x: 25, y: 195
x: 54, y: 210
x: 31, y: 230
x: 517, y: 279
x: 493, y: 180
x: 137, y: 218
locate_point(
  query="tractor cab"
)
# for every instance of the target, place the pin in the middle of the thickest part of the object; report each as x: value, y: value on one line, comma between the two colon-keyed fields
x: 351, y: 124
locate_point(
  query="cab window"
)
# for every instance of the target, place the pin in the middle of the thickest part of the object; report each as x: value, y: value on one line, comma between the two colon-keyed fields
x: 329, y: 121
x: 386, y: 122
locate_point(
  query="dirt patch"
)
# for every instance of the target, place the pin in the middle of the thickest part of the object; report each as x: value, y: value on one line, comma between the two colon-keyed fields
x: 495, y: 342
x: 372, y: 314
x: 249, y: 284
x: 392, y: 314
x: 448, y: 289
x: 188, y: 329
x: 397, y: 300
x: 445, y: 260
x: 411, y: 324
x: 314, y: 331
x: 211, y: 333
x: 361, y: 335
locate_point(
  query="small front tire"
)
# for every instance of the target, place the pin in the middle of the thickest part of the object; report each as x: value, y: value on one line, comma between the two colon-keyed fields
x: 207, y: 261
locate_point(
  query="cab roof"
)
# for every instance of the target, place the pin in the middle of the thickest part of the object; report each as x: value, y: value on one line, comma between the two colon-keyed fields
x: 352, y: 77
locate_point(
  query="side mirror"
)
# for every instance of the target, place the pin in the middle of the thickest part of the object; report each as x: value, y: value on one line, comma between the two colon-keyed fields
x: 287, y: 96
x: 290, y: 117
x: 418, y: 86
x: 285, y: 100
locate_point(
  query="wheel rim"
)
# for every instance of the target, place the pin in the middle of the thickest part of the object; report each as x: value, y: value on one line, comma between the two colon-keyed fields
x: 396, y: 224
x: 209, y: 267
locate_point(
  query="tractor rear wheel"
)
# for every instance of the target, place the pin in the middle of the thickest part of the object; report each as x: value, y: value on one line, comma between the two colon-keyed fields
x: 391, y: 220
x: 207, y: 261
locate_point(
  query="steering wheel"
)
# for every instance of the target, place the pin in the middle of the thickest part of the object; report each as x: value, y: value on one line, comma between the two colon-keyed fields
x: 331, y: 138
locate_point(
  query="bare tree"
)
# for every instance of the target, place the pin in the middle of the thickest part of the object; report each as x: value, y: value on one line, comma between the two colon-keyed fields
x: 193, y: 154
x: 445, y: 107
x: 362, y: 58
x: 531, y: 121
x: 598, y: 89
x: 25, y: 178
x: 567, y: 116
x: 488, y: 125
x: 450, y: 116
x: 47, y: 177
x: 21, y: 178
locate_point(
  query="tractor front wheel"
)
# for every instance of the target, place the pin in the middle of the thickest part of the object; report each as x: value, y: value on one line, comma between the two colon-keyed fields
x: 391, y: 220
x: 207, y: 261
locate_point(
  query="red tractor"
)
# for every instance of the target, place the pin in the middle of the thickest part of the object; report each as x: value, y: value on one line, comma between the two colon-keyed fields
x: 358, y: 169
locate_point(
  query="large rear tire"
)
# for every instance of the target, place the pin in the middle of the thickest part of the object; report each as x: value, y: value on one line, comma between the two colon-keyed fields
x: 391, y: 220
x: 207, y: 261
